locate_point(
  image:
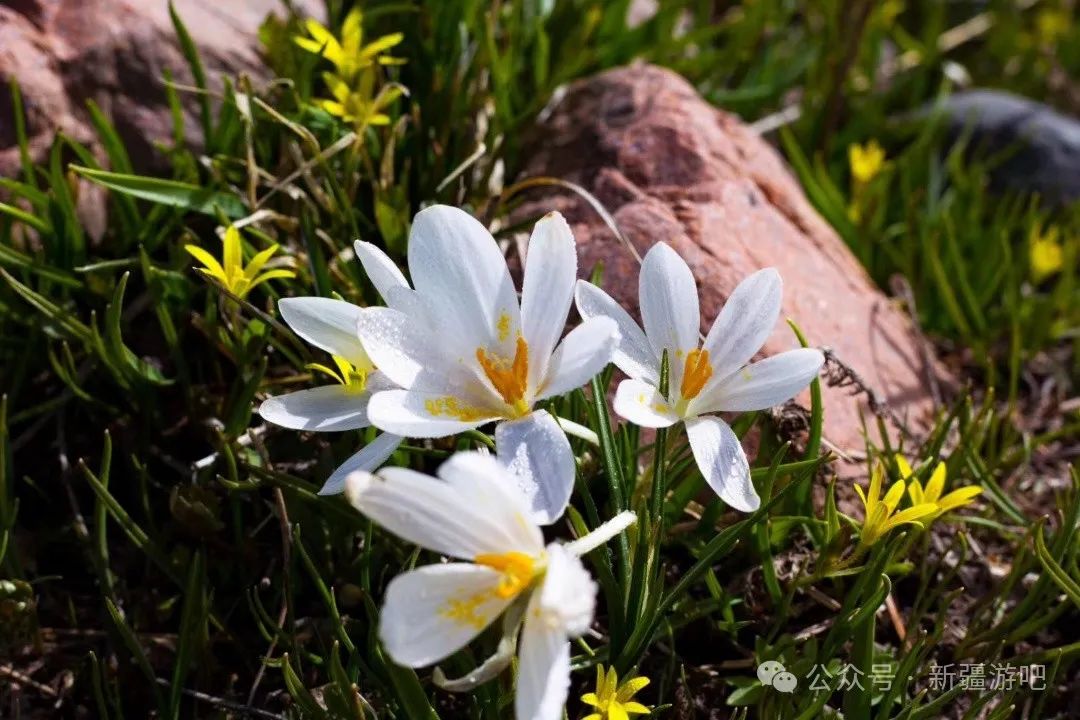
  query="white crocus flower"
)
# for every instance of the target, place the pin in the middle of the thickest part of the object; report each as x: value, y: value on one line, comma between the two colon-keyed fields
x: 474, y: 512
x: 343, y: 404
x: 702, y: 378
x: 467, y: 353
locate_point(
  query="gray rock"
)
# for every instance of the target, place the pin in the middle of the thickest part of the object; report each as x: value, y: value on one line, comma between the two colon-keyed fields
x: 1034, y: 148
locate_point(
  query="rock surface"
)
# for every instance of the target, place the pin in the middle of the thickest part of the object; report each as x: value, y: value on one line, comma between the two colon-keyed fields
x: 1038, y: 146
x: 115, y: 52
x: 671, y: 167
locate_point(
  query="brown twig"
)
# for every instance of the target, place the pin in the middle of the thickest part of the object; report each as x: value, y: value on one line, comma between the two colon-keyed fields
x: 225, y: 704
x: 21, y: 679
x: 839, y: 374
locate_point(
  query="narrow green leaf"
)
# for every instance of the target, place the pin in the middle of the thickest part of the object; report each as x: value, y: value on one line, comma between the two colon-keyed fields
x: 1057, y: 573
x: 131, y: 642
x: 172, y: 193
x: 198, y: 74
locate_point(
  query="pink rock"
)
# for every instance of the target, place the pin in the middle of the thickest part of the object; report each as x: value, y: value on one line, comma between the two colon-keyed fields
x: 672, y: 168
x: 116, y: 52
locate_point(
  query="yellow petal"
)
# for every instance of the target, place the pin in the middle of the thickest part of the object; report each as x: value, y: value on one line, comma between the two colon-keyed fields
x: 612, y: 682
x: 271, y: 275
x: 384, y: 43
x: 328, y: 44
x: 911, y: 515
x: 590, y: 699
x: 903, y: 466
x: 600, y: 680
x: 875, y: 484
x: 630, y: 688
x: 352, y: 31
x: 893, y: 497
x: 213, y: 267
x: 338, y: 87
x: 874, y: 526
x: 936, y: 484
x: 862, y: 496
x: 232, y: 254
x: 959, y: 497
x: 615, y: 712
x: 258, y: 261
x: 334, y: 108
x: 915, y: 491
x: 593, y: 716
x: 308, y: 44
x: 635, y: 708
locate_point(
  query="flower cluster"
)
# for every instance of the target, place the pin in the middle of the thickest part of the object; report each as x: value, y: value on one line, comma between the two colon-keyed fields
x: 457, y: 349
x: 357, y: 97
x: 866, y: 163
x: 1046, y: 254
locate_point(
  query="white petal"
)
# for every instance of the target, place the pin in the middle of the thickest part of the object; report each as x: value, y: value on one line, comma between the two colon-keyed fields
x: 547, y: 290
x: 408, y: 301
x: 744, y: 323
x: 403, y: 348
x: 461, y: 513
x: 583, y: 353
x: 370, y: 457
x: 415, y: 413
x: 327, y: 324
x: 761, y: 385
x: 634, y: 355
x: 327, y: 408
x: 560, y: 609
x: 535, y: 450
x: 493, y: 491
x: 456, y: 264
x: 567, y: 597
x: 543, y: 679
x: 669, y: 307
x: 600, y: 535
x: 381, y: 270
x: 642, y: 404
x: 434, y: 611
x: 722, y: 462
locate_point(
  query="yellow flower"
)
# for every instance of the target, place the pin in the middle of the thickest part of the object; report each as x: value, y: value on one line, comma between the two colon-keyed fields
x: 613, y: 701
x: 231, y: 272
x: 932, y: 492
x: 1046, y: 254
x: 866, y: 161
x: 359, y: 105
x: 349, y: 54
x: 881, y: 515
x: 1051, y: 25
x: 347, y: 374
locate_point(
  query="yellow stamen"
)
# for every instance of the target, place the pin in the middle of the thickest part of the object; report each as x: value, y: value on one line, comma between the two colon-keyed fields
x: 518, y: 570
x: 510, y: 379
x: 696, y: 373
